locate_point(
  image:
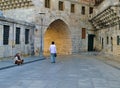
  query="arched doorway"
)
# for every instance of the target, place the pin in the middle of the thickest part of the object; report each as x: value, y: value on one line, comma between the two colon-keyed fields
x: 58, y: 32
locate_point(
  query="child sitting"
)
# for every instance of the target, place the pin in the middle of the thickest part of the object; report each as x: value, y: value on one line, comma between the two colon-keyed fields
x: 18, y: 59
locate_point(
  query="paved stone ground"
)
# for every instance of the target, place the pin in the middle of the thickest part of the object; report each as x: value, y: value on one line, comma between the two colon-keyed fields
x: 111, y: 60
x: 73, y: 71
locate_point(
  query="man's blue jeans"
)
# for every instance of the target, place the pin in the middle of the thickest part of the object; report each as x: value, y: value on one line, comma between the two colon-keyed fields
x: 53, y: 58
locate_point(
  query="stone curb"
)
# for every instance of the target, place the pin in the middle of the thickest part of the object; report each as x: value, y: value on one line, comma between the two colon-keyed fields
x: 27, y: 62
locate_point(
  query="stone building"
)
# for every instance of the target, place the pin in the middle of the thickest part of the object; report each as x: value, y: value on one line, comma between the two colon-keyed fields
x: 74, y: 25
x: 106, y: 24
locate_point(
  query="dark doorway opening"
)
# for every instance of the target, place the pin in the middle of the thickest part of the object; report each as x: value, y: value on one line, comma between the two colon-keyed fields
x: 91, y: 42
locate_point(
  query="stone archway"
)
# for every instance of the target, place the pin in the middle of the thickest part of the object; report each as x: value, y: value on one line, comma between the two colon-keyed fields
x: 58, y: 32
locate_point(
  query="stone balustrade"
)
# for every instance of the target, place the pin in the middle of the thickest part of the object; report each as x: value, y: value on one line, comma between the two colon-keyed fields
x: 109, y: 17
x: 13, y: 4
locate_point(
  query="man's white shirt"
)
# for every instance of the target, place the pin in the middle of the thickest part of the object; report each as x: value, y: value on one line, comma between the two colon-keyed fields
x: 52, y: 49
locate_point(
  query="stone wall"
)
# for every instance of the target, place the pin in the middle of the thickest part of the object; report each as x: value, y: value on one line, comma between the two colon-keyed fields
x: 105, y: 4
x: 12, y: 48
x: 111, y: 47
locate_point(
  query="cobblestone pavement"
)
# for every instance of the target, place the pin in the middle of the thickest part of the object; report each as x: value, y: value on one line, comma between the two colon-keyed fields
x: 73, y: 71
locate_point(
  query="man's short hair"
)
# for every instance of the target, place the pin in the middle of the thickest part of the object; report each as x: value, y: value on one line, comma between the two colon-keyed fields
x: 52, y: 42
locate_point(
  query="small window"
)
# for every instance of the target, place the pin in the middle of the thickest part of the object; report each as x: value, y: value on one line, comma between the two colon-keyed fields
x: 17, y: 36
x: 100, y: 39
x: 90, y: 10
x: 83, y: 10
x: 83, y: 33
x: 112, y: 44
x: 107, y: 40
x: 47, y: 3
x: 6, y: 34
x: 26, y: 36
x: 72, y: 8
x: 61, y: 6
x: 102, y: 43
x: 118, y: 40
x: 119, y: 26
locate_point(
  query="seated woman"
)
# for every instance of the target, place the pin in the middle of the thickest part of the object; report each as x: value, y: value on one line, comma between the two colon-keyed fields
x: 18, y: 59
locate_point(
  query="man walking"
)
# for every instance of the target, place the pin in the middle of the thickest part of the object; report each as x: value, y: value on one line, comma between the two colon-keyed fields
x: 53, y: 52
